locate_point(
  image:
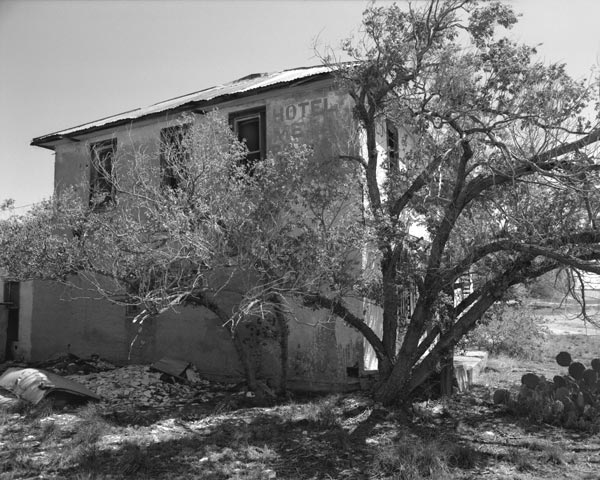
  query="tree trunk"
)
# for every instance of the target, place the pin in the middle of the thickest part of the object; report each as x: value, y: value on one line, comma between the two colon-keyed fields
x: 447, y: 354
x: 390, y: 306
x: 447, y: 372
x: 284, y: 332
x: 243, y: 356
x: 246, y: 362
x: 394, y: 389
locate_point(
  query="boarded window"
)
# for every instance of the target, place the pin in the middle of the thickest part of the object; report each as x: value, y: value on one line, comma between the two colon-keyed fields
x: 102, y: 189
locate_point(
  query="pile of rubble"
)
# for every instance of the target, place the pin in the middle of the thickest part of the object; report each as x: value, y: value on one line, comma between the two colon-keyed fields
x: 71, y: 364
x: 138, y: 385
x: 167, y: 383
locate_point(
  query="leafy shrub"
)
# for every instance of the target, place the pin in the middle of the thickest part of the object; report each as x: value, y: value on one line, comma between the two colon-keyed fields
x: 512, y: 330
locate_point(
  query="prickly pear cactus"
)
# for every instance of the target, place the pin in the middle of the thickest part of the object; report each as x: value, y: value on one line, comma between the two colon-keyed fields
x: 576, y: 370
x: 501, y: 397
x: 563, y: 359
x: 590, y: 377
x: 530, y: 380
x: 571, y: 400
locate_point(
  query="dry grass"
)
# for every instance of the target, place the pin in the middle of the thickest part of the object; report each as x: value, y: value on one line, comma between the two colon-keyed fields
x: 330, y: 437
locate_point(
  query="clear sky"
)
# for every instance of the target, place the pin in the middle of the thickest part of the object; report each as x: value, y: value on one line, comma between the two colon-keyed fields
x: 67, y: 62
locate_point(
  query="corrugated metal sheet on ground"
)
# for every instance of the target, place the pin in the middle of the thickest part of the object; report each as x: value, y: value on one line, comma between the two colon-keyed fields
x: 33, y: 385
x: 171, y: 366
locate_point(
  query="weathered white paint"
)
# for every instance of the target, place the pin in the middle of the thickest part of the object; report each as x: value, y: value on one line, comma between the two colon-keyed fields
x: 321, y: 349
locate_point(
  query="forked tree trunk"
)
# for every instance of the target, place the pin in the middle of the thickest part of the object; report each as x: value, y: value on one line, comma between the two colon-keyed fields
x: 395, y: 388
x: 242, y: 352
x: 246, y: 362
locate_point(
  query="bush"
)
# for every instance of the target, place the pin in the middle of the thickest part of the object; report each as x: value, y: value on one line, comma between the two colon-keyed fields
x: 512, y: 330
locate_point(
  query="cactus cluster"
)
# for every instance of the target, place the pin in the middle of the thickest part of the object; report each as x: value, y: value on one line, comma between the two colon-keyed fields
x: 572, y: 400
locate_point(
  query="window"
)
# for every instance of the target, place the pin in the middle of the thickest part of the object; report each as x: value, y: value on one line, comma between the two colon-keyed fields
x: 102, y: 190
x: 132, y: 310
x: 173, y: 154
x: 392, y: 144
x: 250, y: 127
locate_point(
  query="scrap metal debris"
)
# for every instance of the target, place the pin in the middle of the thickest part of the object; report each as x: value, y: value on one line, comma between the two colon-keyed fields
x: 33, y: 385
x: 178, y: 369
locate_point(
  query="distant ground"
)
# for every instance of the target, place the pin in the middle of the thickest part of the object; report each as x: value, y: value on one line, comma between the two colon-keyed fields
x: 564, y: 317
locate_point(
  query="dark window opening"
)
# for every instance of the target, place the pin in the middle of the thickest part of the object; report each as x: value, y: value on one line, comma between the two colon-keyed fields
x: 174, y: 155
x: 250, y: 128
x: 11, y: 302
x: 102, y: 189
x: 392, y: 145
x: 132, y: 310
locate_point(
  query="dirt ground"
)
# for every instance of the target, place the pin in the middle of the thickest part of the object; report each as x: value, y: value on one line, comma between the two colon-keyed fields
x: 332, y: 437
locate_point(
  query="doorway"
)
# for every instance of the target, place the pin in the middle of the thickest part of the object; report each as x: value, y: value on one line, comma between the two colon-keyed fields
x: 10, y: 305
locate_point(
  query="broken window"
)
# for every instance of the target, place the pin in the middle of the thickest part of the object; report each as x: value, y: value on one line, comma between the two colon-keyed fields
x: 102, y: 189
x: 392, y: 145
x: 174, y: 154
x: 250, y: 128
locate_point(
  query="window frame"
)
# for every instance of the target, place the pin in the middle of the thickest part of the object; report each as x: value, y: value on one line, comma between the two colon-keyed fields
x: 392, y: 140
x: 168, y: 178
x: 259, y: 113
x: 100, y: 153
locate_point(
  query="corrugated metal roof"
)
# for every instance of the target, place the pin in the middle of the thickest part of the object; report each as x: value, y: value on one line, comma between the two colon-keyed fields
x: 241, y: 87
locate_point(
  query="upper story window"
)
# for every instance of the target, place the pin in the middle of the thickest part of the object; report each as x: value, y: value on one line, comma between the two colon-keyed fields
x: 102, y: 188
x: 392, y: 145
x: 250, y: 128
x: 173, y: 154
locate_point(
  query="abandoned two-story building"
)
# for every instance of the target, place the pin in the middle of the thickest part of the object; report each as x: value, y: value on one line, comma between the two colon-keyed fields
x: 44, y: 319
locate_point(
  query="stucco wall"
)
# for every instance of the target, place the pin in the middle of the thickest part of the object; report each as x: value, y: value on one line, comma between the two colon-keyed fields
x: 62, y: 321
x: 321, y: 350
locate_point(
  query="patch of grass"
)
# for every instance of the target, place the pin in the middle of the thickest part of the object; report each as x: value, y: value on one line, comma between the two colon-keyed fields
x: 134, y: 459
x: 322, y: 412
x: 92, y: 426
x: 48, y: 431
x: 549, y: 452
x: 535, y: 444
x: 86, y: 457
x: 461, y: 456
x: 18, y: 462
x: 523, y: 460
x: 325, y: 412
x: 412, y: 458
x: 82, y: 451
x: 31, y: 411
